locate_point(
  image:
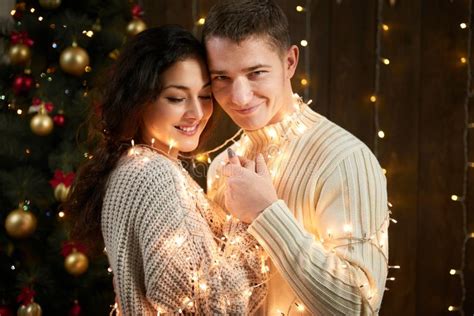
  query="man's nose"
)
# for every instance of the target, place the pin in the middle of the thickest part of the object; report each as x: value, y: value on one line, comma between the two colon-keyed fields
x: 241, y: 93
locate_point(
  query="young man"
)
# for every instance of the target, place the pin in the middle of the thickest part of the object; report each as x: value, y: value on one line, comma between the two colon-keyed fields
x: 320, y: 209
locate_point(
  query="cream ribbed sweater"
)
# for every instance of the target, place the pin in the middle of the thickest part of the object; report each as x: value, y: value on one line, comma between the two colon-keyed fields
x: 327, y: 236
x: 160, y: 234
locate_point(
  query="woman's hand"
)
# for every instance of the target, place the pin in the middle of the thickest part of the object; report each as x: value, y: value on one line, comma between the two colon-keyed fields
x: 249, y: 187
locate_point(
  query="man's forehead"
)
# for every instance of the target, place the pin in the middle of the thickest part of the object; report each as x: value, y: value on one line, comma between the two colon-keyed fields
x: 224, y: 52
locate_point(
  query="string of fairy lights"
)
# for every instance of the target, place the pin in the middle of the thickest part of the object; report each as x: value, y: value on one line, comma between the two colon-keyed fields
x: 460, y: 272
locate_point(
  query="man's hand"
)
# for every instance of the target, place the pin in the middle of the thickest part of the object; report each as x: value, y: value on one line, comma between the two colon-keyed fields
x: 249, y: 187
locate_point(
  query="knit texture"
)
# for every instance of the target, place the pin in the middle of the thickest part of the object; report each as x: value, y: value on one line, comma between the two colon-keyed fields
x: 327, y: 236
x: 161, y: 236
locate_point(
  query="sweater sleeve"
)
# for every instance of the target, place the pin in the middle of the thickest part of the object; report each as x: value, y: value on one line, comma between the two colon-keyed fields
x: 183, y: 269
x: 342, y: 271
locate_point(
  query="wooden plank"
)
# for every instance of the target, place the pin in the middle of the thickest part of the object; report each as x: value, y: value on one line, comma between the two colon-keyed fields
x: 440, y: 171
x: 320, y: 56
x: 352, y: 34
x: 398, y: 151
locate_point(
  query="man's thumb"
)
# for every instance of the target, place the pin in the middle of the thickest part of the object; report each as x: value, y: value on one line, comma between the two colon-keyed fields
x: 233, y: 159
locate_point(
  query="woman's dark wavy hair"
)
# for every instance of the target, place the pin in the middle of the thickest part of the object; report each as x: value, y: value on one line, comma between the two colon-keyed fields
x: 134, y: 82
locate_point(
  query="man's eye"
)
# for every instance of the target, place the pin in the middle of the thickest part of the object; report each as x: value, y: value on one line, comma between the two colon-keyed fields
x: 258, y: 73
x: 220, y: 78
x: 175, y: 100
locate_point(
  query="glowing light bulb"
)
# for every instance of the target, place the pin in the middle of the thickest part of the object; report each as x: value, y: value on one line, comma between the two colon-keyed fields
x: 201, y: 21
x: 203, y: 286
x: 463, y: 25
x: 304, y: 43
x: 304, y: 82
x: 381, y: 134
x: 385, y: 27
x: 299, y: 8
x: 463, y: 60
x: 347, y: 228
x: 454, y: 197
x: 386, y: 61
x: 299, y: 307
x: 179, y: 240
x: 373, y: 98
x: 61, y: 214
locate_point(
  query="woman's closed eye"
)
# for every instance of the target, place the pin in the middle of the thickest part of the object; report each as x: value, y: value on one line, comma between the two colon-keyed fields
x: 175, y: 100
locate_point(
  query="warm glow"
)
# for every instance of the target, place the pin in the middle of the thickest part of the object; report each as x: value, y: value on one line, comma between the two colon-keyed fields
x: 19, y: 111
x: 203, y: 286
x: 61, y: 214
x: 463, y: 60
x: 201, y: 157
x: 12, y: 12
x: 304, y: 43
x: 304, y: 82
x: 373, y: 98
x: 299, y: 307
x: 40, y: 18
x: 347, y: 228
x: 463, y: 25
x: 454, y: 197
x: 179, y: 240
x: 32, y: 10
x: 299, y: 8
x: 201, y: 21
x: 386, y: 61
x: 385, y: 27
x: 381, y: 134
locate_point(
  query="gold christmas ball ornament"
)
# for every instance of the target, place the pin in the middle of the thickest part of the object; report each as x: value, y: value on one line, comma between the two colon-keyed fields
x: 20, y: 224
x: 61, y: 192
x: 76, y: 263
x: 32, y: 309
x: 42, y: 124
x: 74, y: 60
x: 135, y: 26
x: 19, y: 54
x: 50, y: 4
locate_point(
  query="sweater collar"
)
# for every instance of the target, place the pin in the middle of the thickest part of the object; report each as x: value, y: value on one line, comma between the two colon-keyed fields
x: 292, y: 126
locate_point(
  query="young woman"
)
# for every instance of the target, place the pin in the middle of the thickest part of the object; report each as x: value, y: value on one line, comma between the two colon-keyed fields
x: 169, y: 250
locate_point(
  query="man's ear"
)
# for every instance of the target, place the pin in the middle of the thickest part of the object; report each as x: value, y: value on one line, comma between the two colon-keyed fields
x: 291, y: 61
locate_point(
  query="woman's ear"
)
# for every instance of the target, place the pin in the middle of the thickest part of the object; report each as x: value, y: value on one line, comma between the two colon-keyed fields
x: 291, y: 61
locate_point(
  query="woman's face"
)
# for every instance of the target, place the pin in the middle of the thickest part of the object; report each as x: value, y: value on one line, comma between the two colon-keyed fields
x: 179, y: 114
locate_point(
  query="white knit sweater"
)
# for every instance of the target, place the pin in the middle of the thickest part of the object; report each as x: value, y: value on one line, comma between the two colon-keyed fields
x: 327, y: 236
x: 160, y: 234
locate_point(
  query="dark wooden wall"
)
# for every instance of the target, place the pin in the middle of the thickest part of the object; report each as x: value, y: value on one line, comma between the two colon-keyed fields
x: 421, y: 111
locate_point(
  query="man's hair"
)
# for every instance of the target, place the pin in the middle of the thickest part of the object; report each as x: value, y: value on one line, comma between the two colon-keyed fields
x: 237, y: 20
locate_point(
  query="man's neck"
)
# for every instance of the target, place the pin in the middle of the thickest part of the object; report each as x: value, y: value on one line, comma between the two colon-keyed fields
x: 287, y: 108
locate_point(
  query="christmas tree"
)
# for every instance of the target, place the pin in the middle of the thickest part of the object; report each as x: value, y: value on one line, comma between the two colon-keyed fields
x: 53, y: 56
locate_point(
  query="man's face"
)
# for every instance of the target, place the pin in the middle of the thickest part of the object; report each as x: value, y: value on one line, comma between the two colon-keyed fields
x: 251, y: 79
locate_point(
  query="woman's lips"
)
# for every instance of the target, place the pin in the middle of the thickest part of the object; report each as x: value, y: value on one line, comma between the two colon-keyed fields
x: 187, y: 130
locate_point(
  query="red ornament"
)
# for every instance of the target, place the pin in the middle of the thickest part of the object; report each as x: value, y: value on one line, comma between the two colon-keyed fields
x: 36, y: 101
x: 5, y: 311
x: 49, y: 106
x: 70, y: 246
x: 22, y: 84
x: 137, y: 11
x: 26, y: 296
x: 75, y: 309
x: 60, y: 177
x: 58, y: 119
x: 21, y: 38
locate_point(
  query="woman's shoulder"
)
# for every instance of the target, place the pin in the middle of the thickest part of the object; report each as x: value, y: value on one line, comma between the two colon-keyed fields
x: 145, y: 164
